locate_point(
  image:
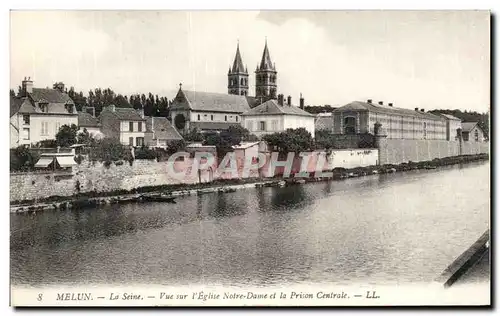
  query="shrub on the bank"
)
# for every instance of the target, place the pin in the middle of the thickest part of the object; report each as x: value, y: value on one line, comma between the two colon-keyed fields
x: 174, y: 146
x: 144, y: 153
x: 109, y: 149
x: 79, y: 159
x: 23, y: 159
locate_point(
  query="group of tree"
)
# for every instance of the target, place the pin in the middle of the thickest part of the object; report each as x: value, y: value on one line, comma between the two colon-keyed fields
x: 99, y: 98
x: 316, y: 109
x: 469, y: 116
x: 291, y: 140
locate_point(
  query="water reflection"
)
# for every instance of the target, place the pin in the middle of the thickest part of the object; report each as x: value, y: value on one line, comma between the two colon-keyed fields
x: 377, y: 229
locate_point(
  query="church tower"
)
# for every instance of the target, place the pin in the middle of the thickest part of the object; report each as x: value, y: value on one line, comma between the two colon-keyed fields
x: 265, y: 77
x: 237, y: 77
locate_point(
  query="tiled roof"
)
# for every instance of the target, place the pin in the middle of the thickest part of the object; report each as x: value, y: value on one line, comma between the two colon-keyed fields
x: 271, y: 107
x: 87, y: 120
x: 324, y: 123
x: 210, y: 101
x: 216, y: 126
x: 50, y: 96
x: 451, y: 117
x: 468, y: 126
x: 161, y: 128
x: 124, y: 114
x: 385, y: 109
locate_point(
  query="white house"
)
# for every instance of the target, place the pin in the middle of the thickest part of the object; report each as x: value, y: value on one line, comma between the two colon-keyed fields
x: 274, y: 116
x: 37, y: 114
x: 126, y: 124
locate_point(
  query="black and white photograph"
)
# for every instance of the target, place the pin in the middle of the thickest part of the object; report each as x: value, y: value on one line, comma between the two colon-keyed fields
x: 249, y: 158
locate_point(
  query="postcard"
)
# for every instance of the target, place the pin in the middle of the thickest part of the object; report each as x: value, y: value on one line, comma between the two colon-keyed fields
x: 250, y: 158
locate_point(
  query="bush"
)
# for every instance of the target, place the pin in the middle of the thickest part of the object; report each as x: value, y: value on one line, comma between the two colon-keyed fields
x: 144, y: 153
x: 48, y: 143
x: 174, y: 146
x: 22, y: 159
x: 109, y: 149
x: 79, y: 159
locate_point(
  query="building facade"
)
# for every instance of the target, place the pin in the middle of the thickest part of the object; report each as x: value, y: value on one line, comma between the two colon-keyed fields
x: 87, y: 121
x: 207, y: 111
x: 453, y: 124
x: 38, y: 114
x: 126, y: 124
x: 472, y: 132
x: 275, y: 116
x: 159, y: 132
x: 360, y: 118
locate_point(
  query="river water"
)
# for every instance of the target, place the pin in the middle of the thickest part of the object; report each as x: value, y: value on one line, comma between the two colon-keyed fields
x: 382, y: 229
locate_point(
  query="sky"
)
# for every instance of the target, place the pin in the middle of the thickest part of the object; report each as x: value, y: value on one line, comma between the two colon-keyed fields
x: 425, y: 59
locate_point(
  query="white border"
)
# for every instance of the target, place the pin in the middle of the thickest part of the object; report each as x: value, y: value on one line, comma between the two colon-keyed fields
x: 200, y: 4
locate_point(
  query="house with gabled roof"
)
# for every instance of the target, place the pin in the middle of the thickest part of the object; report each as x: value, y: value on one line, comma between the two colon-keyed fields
x: 87, y: 121
x: 38, y: 113
x: 125, y: 124
x: 472, y: 132
x: 159, y: 132
x: 275, y: 116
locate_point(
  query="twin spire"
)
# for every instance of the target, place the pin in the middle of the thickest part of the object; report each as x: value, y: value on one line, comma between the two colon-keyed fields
x: 265, y: 63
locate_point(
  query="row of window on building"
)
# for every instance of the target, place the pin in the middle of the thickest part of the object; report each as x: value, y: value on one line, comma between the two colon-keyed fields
x: 261, y: 126
x: 205, y: 117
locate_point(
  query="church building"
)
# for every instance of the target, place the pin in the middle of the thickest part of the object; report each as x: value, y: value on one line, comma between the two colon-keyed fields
x: 213, y: 112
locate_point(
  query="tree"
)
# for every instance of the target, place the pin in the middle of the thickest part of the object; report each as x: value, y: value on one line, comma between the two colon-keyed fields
x: 22, y: 159
x: 324, y: 140
x: 174, y: 146
x: 67, y: 135
x: 194, y: 136
x: 241, y: 133
x: 109, y: 149
x: 12, y: 93
x: 469, y: 116
x: 85, y: 138
x: 291, y: 140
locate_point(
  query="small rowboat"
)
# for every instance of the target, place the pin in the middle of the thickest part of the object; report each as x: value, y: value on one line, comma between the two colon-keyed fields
x: 158, y: 198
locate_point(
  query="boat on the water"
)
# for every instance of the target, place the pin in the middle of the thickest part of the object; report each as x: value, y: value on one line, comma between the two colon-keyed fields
x: 158, y: 198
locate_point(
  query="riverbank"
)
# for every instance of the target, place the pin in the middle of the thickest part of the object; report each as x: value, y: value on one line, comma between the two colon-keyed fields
x: 93, y: 199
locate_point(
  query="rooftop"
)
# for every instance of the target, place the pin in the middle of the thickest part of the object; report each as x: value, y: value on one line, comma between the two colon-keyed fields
x: 211, y: 101
x: 271, y: 107
x: 123, y: 114
x: 87, y: 120
x: 385, y: 109
x: 162, y: 128
x: 468, y: 126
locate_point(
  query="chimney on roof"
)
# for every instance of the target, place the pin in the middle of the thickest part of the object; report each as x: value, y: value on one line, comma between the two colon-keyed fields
x: 301, y: 102
x: 111, y: 107
x: 59, y: 86
x: 422, y: 110
x: 27, y: 86
x: 389, y: 104
x: 416, y: 109
x: 369, y: 100
x: 141, y: 112
x: 381, y: 102
x: 280, y: 99
x: 289, y: 100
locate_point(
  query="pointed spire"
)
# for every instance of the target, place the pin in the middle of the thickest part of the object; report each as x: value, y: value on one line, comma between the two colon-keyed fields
x: 266, y: 63
x: 238, y: 63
